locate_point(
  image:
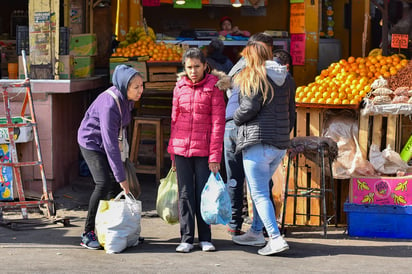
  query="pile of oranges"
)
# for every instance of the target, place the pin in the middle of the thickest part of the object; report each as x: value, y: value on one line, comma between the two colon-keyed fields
x: 346, y: 82
x: 147, y: 47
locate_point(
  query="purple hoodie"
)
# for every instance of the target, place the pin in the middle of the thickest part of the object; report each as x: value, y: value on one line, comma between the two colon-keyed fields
x: 99, y: 129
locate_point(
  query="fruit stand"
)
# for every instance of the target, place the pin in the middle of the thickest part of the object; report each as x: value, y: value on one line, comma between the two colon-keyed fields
x: 353, y: 91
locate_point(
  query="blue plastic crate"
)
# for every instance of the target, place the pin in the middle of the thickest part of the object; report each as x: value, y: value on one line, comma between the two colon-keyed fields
x: 381, y: 221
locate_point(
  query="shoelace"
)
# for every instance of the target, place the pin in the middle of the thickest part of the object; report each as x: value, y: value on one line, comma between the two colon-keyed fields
x: 92, y: 235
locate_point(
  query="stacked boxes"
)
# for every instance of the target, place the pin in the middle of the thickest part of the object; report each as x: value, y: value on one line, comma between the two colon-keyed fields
x: 84, y: 48
x: 380, y: 207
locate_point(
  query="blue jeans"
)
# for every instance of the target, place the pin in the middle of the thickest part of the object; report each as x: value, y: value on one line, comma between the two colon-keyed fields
x: 235, y: 175
x: 260, y: 162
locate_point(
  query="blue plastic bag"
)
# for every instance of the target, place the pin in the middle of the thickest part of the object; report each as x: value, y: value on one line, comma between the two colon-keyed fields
x: 215, y: 205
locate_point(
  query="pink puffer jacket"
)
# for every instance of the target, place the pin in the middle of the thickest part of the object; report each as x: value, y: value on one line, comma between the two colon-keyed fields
x: 198, y: 119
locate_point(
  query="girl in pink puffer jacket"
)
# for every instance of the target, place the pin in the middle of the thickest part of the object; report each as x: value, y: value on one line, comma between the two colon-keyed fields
x: 196, y: 138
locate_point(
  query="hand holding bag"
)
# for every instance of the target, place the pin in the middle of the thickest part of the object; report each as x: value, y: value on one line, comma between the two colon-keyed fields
x: 118, y: 223
x: 167, y: 198
x: 215, y: 205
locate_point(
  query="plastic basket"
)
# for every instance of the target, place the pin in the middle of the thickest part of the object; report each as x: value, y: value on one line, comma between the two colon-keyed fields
x: 380, y: 221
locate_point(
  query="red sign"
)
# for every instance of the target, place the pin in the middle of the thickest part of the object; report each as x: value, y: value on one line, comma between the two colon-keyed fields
x: 297, y: 48
x: 399, y: 41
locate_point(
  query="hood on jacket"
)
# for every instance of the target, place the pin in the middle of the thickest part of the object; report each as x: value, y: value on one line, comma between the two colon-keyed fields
x: 121, y: 78
x: 276, y: 72
x: 223, y: 83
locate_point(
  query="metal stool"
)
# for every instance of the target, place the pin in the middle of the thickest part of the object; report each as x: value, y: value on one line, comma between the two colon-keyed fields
x: 148, y: 169
x: 315, y: 149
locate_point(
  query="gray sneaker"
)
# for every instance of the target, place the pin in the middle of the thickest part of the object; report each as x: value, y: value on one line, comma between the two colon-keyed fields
x: 89, y: 240
x: 250, y: 238
x: 273, y: 246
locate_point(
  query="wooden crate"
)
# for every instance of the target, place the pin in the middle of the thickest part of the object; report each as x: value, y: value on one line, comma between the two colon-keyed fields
x: 380, y: 130
x: 161, y: 86
x: 163, y: 71
x: 309, y: 122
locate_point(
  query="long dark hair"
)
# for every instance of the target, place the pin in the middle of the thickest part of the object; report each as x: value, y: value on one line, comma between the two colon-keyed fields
x: 195, y: 53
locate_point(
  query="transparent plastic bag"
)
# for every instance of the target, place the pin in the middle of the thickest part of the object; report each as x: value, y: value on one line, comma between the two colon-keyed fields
x: 215, y: 205
x: 167, y: 198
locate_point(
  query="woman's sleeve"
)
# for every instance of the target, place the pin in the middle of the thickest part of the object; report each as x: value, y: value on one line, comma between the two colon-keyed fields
x: 174, y: 115
x: 248, y: 109
x: 110, y: 125
x: 218, y: 126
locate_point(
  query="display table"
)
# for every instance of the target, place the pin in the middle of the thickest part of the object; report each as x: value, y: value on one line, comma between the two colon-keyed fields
x: 232, y: 48
x: 277, y: 42
x: 59, y: 106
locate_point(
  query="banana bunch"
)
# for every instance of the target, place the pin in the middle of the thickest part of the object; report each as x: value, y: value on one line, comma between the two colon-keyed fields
x: 136, y: 34
x: 368, y: 198
x: 400, y: 55
x: 362, y: 185
x: 402, y: 186
x: 375, y: 52
x: 398, y: 199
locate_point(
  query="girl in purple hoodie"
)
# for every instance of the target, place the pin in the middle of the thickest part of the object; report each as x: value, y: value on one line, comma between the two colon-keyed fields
x: 98, y: 138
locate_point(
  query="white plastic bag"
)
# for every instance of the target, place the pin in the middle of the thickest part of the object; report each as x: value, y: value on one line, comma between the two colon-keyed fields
x: 118, y: 223
x: 215, y: 205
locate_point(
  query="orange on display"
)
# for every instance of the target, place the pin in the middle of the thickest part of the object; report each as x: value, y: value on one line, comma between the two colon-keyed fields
x: 348, y: 81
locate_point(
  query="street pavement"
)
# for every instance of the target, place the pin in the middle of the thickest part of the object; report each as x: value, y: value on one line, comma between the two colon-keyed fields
x: 39, y: 245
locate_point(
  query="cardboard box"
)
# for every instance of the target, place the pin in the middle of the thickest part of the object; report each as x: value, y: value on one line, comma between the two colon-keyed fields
x: 381, y: 190
x: 22, y: 134
x: 382, y: 221
x: 83, y: 45
x: 139, y: 66
x: 83, y: 66
x: 66, y: 66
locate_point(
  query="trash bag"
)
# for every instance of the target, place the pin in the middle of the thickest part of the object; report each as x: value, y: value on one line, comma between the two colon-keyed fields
x: 215, y: 205
x: 167, y: 198
x: 118, y: 223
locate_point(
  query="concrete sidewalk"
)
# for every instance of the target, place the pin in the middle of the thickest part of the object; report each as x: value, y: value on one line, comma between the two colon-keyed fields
x: 53, y: 248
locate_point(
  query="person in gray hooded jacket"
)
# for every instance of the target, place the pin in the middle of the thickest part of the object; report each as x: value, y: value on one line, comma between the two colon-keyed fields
x: 265, y: 118
x: 98, y: 138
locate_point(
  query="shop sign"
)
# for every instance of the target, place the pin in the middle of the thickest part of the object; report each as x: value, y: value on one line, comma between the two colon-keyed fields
x: 399, y: 41
x: 297, y: 48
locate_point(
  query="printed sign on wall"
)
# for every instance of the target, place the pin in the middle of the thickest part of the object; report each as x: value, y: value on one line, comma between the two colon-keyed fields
x: 297, y: 48
x: 297, y: 18
x: 6, y: 175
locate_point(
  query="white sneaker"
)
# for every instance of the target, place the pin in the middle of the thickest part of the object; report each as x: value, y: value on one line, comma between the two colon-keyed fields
x: 184, y: 248
x: 273, y: 246
x: 250, y: 238
x: 207, y: 246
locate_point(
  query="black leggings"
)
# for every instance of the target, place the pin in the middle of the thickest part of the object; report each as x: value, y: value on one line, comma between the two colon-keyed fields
x: 105, y: 187
x: 192, y: 174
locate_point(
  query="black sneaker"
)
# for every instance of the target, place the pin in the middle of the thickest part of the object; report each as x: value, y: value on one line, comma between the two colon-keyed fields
x: 89, y: 240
